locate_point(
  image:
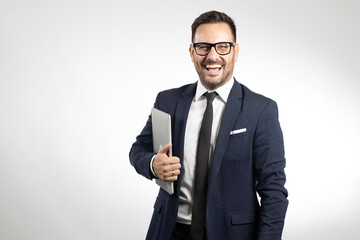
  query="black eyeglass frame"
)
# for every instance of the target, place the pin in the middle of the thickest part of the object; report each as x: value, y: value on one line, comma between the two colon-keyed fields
x: 213, y: 45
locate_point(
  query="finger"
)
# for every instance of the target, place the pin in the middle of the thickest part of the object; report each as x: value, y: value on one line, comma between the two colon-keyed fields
x: 172, y: 175
x: 173, y: 160
x: 171, y: 179
x: 175, y: 166
x: 166, y: 169
x: 175, y: 172
x: 171, y: 167
x: 165, y: 148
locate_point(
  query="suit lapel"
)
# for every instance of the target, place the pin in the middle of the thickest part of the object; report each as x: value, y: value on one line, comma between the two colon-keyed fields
x: 232, y: 109
x: 181, y: 115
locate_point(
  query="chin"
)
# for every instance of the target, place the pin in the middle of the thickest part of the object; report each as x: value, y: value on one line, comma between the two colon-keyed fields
x: 213, y: 84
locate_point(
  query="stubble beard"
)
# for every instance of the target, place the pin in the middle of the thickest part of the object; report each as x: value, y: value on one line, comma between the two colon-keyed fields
x: 212, y: 85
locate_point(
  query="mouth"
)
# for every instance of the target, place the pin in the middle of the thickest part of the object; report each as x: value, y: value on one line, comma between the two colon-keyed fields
x: 213, y: 69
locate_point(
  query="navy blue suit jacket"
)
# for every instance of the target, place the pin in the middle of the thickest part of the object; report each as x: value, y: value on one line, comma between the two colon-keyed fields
x: 243, y: 164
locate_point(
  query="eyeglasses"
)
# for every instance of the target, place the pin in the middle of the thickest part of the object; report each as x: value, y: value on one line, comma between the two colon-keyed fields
x: 222, y: 48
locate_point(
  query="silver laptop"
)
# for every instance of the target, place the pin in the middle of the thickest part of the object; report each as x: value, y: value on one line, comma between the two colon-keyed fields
x: 161, y: 129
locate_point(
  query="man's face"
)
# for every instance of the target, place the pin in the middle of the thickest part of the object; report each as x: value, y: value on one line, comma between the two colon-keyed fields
x: 214, y: 70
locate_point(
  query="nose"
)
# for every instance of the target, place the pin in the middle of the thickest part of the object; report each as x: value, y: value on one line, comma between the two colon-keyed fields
x: 212, y: 54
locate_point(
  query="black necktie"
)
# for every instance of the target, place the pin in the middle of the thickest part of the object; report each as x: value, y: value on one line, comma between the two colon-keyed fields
x: 202, y: 160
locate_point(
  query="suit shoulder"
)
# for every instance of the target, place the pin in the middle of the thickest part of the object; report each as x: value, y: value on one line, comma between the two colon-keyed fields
x: 177, y: 89
x: 175, y: 93
x: 256, y: 105
x: 166, y: 100
x: 255, y: 98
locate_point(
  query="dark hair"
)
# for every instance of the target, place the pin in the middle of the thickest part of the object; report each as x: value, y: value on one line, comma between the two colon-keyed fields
x: 213, y: 17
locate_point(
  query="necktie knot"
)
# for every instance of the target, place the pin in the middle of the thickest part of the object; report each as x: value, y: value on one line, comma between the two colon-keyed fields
x: 210, y: 96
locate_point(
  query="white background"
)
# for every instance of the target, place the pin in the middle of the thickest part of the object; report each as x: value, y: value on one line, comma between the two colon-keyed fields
x: 78, y: 79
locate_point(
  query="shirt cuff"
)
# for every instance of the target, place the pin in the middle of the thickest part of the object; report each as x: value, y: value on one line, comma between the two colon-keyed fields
x: 151, y: 163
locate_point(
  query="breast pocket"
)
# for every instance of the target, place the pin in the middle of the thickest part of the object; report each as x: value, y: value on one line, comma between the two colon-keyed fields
x: 239, y: 149
x: 240, y: 132
x: 238, y: 141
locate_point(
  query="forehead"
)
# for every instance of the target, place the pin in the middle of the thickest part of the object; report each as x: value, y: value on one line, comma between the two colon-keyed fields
x: 213, y: 33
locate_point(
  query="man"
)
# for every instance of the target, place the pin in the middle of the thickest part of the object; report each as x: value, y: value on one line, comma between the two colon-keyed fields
x: 227, y: 144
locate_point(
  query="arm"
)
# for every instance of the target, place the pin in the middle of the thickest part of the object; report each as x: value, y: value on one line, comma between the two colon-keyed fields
x: 269, y: 163
x: 146, y: 162
x: 141, y: 151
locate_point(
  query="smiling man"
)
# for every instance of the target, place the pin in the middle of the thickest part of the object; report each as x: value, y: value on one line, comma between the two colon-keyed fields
x: 227, y: 146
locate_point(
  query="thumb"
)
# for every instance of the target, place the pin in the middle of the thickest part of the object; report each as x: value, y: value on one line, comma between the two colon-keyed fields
x: 165, y: 148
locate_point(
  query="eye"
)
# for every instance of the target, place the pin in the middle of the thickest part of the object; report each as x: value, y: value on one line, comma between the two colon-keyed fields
x: 202, y: 47
x: 223, y: 46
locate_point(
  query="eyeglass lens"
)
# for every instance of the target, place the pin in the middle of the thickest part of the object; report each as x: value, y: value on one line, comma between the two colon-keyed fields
x: 221, y: 48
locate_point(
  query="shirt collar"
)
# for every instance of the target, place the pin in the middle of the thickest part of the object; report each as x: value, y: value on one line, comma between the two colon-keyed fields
x: 222, y: 91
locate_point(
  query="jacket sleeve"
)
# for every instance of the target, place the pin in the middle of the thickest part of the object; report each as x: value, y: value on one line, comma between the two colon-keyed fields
x: 141, y: 151
x: 269, y: 164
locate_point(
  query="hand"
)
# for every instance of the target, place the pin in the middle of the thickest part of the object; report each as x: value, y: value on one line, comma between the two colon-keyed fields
x: 166, y: 168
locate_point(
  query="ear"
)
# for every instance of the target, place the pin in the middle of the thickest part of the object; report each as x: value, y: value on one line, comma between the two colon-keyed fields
x: 192, y: 52
x: 236, y: 50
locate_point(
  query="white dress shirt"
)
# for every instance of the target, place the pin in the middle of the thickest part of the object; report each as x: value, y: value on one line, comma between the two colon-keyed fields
x: 192, y: 131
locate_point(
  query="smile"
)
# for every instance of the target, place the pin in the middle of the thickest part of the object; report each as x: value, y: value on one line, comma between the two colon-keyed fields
x: 213, y: 69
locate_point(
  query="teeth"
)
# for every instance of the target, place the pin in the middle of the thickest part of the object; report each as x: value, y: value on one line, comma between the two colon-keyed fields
x: 213, y: 66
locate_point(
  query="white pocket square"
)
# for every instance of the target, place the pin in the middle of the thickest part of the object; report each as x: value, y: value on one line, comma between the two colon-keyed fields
x: 241, y: 130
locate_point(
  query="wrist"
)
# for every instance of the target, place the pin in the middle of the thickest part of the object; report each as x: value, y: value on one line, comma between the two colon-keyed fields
x: 151, y: 166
